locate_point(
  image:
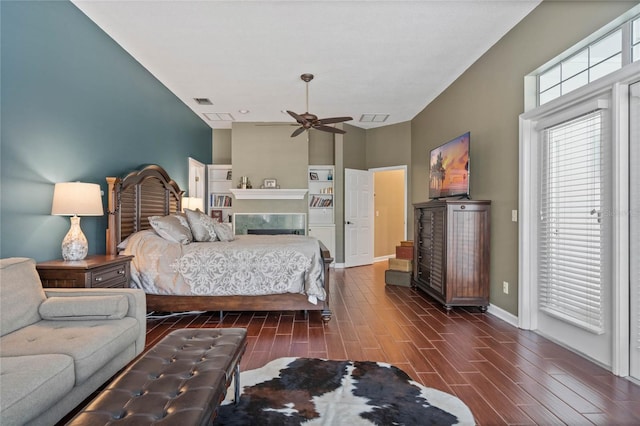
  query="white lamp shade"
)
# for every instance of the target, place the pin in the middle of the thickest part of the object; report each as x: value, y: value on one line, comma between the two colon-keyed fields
x: 77, y: 198
x: 192, y: 203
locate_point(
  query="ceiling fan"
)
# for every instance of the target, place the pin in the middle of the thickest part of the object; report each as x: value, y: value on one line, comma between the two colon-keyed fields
x: 311, y: 121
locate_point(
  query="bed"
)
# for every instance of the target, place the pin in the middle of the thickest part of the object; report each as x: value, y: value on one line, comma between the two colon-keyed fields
x: 150, y: 191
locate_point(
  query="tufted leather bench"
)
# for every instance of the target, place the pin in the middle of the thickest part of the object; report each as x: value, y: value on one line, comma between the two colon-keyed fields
x: 180, y: 381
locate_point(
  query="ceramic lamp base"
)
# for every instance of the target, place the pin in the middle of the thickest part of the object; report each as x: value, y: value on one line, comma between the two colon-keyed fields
x: 74, y: 245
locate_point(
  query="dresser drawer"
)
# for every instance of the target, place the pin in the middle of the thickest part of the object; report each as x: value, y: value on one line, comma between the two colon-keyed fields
x: 110, y: 276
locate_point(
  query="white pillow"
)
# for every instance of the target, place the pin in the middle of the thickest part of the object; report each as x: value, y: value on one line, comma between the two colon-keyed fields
x: 172, y: 228
x: 223, y: 231
x: 202, y: 226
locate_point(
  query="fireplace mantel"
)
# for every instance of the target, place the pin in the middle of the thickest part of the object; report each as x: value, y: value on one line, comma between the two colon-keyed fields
x: 268, y: 194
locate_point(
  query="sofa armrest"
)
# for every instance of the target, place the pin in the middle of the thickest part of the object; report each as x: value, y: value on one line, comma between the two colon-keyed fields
x: 135, y: 297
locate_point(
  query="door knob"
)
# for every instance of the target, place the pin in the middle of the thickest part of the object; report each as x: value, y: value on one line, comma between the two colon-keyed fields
x: 348, y: 223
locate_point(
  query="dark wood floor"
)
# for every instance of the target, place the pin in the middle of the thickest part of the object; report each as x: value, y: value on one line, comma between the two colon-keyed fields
x: 505, y: 375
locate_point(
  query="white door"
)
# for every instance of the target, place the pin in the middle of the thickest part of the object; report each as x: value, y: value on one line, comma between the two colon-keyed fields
x: 358, y: 217
x: 634, y: 234
x: 197, y: 182
x: 574, y: 234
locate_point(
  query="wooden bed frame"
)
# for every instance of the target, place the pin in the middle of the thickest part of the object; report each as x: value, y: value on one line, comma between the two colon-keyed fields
x: 150, y: 191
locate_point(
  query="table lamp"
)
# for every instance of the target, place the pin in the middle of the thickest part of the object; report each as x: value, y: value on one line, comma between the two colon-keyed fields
x: 191, y: 203
x: 76, y: 199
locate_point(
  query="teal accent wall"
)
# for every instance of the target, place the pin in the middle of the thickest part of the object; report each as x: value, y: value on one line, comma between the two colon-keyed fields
x: 76, y: 107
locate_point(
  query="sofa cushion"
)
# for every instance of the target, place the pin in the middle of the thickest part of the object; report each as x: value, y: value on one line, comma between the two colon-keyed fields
x: 32, y: 384
x: 20, y: 294
x: 91, y: 344
x: 81, y: 308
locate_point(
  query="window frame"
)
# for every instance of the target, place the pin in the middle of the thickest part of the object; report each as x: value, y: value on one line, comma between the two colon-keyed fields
x: 624, y: 23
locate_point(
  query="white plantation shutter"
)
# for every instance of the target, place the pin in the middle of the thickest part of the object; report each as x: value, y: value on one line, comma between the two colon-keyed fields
x: 571, y: 244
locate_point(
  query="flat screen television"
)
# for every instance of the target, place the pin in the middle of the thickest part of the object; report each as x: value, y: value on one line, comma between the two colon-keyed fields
x: 449, y: 168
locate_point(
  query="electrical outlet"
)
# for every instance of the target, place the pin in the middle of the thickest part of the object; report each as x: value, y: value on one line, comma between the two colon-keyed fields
x: 505, y: 287
x: 514, y: 215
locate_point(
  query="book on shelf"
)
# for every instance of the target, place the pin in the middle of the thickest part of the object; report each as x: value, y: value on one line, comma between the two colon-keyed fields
x: 321, y: 201
x: 216, y: 200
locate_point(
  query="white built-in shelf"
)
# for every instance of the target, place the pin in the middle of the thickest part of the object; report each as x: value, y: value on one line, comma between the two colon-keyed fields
x: 268, y: 194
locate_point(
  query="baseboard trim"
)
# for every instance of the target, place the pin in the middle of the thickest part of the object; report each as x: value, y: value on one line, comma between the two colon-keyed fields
x: 384, y: 258
x: 503, y: 315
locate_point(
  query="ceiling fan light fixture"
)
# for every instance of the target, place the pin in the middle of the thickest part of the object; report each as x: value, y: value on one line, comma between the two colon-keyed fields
x: 311, y: 121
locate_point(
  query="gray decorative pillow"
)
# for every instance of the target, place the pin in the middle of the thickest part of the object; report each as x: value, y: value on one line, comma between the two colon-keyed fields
x: 223, y: 231
x: 201, y: 226
x: 172, y: 228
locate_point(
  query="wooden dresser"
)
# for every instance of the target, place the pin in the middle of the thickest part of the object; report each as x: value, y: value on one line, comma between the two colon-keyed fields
x: 452, y: 251
x: 99, y: 271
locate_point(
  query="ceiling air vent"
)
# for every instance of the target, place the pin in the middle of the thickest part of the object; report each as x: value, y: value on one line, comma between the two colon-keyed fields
x: 373, y: 118
x: 219, y: 116
x: 203, y: 101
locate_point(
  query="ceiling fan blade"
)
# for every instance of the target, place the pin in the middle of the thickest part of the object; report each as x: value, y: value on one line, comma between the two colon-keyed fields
x: 329, y: 129
x: 297, y: 132
x: 300, y: 119
x: 334, y: 120
x: 277, y: 124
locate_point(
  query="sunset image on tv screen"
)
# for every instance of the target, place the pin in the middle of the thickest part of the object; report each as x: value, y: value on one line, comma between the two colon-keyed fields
x: 449, y: 168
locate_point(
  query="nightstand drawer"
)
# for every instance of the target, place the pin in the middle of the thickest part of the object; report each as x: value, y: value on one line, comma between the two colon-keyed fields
x: 110, y: 276
x: 94, y: 271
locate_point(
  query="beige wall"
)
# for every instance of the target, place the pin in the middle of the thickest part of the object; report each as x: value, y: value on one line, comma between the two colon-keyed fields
x: 221, y: 146
x: 355, y: 148
x: 321, y: 148
x: 261, y: 152
x: 389, y: 145
x: 487, y: 100
x: 389, y: 211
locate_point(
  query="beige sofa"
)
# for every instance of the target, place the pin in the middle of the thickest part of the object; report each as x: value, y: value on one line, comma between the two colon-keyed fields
x: 57, y: 346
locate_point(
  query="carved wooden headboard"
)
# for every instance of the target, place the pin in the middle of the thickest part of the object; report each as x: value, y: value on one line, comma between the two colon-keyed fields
x: 132, y: 199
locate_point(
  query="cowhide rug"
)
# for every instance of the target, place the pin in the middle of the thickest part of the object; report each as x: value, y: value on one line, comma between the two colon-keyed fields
x: 295, y: 391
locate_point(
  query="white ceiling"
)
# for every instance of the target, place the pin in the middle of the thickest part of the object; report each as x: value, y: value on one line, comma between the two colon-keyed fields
x: 368, y: 56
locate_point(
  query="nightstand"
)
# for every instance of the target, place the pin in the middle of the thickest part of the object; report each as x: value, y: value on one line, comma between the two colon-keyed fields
x: 97, y: 271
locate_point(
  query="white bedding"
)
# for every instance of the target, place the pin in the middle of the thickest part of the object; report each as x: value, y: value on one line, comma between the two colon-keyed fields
x: 248, y: 266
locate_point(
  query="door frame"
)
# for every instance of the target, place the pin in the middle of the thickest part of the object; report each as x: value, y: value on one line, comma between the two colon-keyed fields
x: 406, y: 208
x: 617, y: 85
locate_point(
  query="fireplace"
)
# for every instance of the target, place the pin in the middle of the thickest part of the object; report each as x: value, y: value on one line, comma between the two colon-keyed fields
x: 270, y: 223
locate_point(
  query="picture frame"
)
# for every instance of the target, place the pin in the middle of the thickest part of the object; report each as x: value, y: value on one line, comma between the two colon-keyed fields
x: 270, y: 183
x: 216, y: 215
x: 313, y: 176
x: 228, y: 174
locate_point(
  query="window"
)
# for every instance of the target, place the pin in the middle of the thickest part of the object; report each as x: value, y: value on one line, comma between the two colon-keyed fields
x: 635, y: 40
x: 594, y: 61
x: 591, y: 61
